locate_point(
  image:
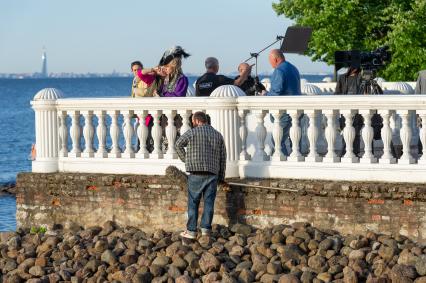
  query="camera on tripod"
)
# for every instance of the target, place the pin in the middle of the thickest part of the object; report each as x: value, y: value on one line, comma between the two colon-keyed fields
x: 360, y: 59
x: 367, y: 62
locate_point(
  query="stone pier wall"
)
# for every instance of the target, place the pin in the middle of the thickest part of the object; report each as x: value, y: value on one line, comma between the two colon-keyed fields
x: 152, y: 202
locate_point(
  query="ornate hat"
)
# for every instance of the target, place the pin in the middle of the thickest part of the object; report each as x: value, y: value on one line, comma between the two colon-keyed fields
x: 174, y: 52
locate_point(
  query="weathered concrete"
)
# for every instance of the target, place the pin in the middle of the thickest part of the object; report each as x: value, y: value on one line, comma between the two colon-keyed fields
x: 152, y: 202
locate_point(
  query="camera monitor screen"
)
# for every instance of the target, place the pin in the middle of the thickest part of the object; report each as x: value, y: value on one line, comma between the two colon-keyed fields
x: 296, y: 40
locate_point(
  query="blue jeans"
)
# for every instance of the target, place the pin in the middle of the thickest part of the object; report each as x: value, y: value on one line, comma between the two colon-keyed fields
x: 201, y: 186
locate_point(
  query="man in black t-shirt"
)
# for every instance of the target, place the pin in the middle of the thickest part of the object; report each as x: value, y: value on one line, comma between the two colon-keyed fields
x: 208, y: 82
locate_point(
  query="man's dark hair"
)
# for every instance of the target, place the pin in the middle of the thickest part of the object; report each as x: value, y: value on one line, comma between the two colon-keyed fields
x: 200, y: 116
x: 136, y: 63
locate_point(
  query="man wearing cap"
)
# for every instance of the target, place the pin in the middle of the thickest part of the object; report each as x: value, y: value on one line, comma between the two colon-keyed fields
x: 208, y: 82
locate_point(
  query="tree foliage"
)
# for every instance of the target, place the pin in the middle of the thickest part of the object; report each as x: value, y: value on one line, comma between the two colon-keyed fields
x: 364, y: 25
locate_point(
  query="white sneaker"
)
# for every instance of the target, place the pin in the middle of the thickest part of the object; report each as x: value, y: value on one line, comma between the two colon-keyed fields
x: 188, y: 234
x: 205, y: 232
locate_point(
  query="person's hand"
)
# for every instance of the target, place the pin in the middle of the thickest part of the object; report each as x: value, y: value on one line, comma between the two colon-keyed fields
x: 156, y: 69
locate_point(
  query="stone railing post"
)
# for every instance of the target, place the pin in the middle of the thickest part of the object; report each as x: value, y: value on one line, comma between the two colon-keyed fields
x: 46, y: 128
x: 227, y: 121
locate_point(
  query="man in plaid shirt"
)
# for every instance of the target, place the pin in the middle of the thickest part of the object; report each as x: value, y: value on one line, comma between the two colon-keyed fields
x: 205, y: 161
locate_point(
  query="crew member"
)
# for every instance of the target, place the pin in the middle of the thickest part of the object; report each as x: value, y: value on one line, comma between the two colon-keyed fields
x: 251, y: 85
x: 208, y: 82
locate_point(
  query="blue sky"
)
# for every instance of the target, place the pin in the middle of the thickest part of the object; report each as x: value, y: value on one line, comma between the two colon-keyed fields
x: 100, y: 36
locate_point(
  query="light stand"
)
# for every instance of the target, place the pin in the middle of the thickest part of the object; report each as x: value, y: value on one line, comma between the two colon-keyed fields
x: 256, y: 54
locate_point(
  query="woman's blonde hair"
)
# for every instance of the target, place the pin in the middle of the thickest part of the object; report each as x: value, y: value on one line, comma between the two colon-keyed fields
x: 176, y: 65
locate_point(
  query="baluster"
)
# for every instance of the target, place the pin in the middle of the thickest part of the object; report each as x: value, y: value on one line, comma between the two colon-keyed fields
x: 171, y: 134
x: 128, y: 132
x: 75, y: 134
x: 295, y: 135
x: 277, y: 134
x: 349, y: 136
x: 142, y: 132
x: 386, y: 133
x: 101, y: 132
x: 185, y: 114
x: 422, y: 114
x: 367, y: 134
x: 331, y: 133
x: 156, y: 135
x: 313, y: 136
x: 63, y: 134
x: 88, y: 133
x: 406, y: 135
x: 243, y: 135
x: 260, y: 154
x: 115, y: 151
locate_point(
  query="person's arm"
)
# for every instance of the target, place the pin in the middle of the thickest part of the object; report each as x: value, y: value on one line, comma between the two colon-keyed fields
x: 277, y: 83
x: 242, y: 78
x: 221, y: 175
x: 180, y: 145
x: 145, y: 76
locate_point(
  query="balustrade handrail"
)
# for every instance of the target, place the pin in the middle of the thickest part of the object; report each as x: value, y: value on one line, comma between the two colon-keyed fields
x: 333, y: 102
x: 326, y: 102
x: 151, y: 103
x: 101, y: 135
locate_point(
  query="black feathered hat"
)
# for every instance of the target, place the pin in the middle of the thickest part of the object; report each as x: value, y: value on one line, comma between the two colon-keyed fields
x: 174, y: 52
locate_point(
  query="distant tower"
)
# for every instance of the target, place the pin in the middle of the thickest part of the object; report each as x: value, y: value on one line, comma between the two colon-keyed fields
x: 44, y: 64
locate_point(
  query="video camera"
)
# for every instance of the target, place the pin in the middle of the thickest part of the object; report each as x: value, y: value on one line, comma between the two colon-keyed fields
x: 373, y: 60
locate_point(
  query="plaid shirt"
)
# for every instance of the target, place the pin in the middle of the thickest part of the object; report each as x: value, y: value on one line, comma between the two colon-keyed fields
x: 205, y: 151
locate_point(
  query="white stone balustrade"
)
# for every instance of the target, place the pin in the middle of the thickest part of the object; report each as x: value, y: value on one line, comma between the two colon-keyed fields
x: 70, y: 140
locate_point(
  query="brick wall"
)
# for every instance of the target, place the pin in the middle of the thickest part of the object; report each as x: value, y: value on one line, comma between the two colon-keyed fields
x: 152, y: 202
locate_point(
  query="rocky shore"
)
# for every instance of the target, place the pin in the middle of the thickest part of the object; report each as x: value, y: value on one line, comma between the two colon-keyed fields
x: 239, y: 253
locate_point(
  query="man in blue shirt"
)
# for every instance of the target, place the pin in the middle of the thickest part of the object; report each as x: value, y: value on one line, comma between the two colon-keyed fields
x: 285, y: 80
